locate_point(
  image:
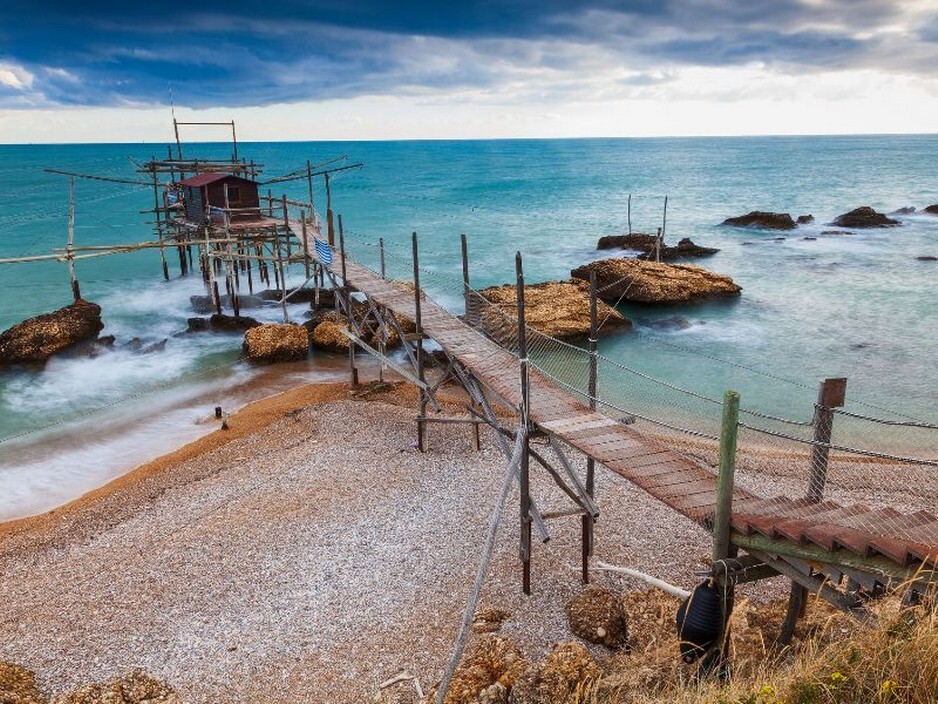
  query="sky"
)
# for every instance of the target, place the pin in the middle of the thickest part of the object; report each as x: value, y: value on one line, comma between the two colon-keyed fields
x: 107, y: 71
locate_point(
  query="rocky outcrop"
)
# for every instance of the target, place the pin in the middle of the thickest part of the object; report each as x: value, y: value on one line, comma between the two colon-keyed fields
x: 18, y: 685
x: 805, y: 219
x: 37, y: 339
x: 864, y: 216
x: 932, y: 209
x: 274, y: 342
x: 135, y: 687
x: 560, y: 309
x: 763, y: 221
x: 598, y: 616
x: 646, y: 245
x: 559, y: 679
x: 653, y: 282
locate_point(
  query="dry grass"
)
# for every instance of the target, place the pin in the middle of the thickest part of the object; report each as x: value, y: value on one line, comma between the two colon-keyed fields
x: 834, y: 661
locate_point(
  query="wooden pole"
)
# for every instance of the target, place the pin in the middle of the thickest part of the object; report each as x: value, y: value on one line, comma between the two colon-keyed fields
x: 329, y: 228
x: 467, y: 297
x: 353, y: 370
x: 630, y: 213
x: 421, y: 425
x: 76, y: 289
x: 588, y: 521
x: 286, y: 227
x: 664, y: 219
x: 384, y: 273
x: 525, y: 475
x: 309, y: 182
x: 159, y: 225
x: 305, y: 244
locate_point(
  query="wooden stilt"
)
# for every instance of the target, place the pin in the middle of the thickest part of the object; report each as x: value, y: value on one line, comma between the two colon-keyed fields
x: 525, y: 476
x: 421, y: 426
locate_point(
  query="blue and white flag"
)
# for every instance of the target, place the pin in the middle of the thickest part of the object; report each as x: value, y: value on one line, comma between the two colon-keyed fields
x: 323, y: 252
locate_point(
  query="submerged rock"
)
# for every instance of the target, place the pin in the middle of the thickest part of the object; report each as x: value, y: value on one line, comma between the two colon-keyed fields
x: 805, y: 219
x: 932, y: 209
x: 653, y: 282
x: 907, y: 210
x: 864, y: 216
x: 638, y: 241
x: 276, y: 342
x: 646, y: 245
x: 37, y: 339
x: 560, y: 309
x: 927, y: 258
x: 763, y: 221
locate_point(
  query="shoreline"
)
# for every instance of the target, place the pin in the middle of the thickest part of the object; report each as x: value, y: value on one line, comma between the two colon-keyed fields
x: 249, y: 418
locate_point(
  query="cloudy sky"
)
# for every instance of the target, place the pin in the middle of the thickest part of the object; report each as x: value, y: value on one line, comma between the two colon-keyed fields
x: 102, y: 70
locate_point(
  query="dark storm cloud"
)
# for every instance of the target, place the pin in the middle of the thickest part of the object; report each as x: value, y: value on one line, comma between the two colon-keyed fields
x: 234, y: 53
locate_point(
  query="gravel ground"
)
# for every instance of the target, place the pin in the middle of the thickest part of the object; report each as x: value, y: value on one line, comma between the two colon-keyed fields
x: 306, y: 561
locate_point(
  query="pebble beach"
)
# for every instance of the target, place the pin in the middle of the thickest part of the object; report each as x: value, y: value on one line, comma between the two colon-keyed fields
x: 308, y: 553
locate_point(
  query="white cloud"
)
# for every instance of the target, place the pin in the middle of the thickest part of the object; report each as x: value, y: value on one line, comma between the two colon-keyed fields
x: 15, y: 77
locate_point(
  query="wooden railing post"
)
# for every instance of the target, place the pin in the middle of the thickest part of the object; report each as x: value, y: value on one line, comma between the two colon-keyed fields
x: 418, y: 324
x: 525, y: 476
x: 831, y: 395
x: 725, y: 481
x: 588, y: 521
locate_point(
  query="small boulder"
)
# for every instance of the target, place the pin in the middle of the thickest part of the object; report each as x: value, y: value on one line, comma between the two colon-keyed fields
x: 558, y: 309
x: 560, y: 679
x: 932, y: 209
x: 328, y: 336
x: 135, y: 687
x: 487, y: 672
x: 598, y: 616
x: 762, y: 220
x: 276, y: 343
x: 18, y: 685
x: 805, y: 219
x: 37, y: 339
x: 654, y: 282
x: 927, y: 258
x: 864, y: 216
x: 907, y: 210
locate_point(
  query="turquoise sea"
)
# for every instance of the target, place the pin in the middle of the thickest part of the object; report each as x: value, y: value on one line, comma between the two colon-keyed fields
x: 814, y: 305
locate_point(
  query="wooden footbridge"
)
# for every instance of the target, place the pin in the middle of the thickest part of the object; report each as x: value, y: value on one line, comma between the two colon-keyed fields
x: 839, y: 551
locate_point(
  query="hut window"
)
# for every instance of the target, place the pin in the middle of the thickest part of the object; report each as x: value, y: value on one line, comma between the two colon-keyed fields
x: 234, y: 194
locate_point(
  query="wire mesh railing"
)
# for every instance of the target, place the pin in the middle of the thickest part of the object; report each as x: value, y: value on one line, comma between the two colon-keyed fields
x: 886, y: 467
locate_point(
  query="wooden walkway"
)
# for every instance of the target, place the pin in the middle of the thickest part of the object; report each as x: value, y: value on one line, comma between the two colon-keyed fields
x: 677, y: 481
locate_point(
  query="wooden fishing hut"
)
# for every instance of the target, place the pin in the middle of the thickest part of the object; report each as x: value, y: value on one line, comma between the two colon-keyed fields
x: 215, y: 207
